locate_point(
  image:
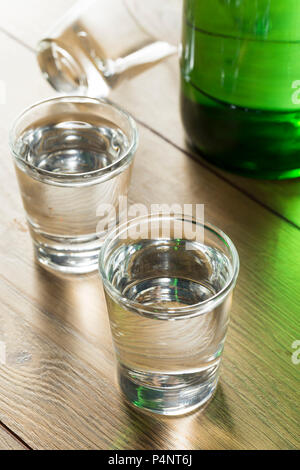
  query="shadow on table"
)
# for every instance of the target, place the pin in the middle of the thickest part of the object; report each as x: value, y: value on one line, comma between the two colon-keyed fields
x: 160, y: 432
x: 145, y: 432
x: 218, y: 411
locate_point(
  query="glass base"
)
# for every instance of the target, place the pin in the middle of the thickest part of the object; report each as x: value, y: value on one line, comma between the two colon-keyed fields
x: 168, y: 394
x: 248, y: 173
x: 80, y: 258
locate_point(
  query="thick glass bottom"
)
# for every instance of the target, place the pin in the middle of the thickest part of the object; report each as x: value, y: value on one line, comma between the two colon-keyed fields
x: 68, y: 256
x: 255, y: 143
x: 168, y: 394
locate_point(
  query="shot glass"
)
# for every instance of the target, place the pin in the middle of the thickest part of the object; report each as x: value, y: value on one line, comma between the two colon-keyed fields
x: 168, y: 296
x: 98, y: 42
x: 73, y: 158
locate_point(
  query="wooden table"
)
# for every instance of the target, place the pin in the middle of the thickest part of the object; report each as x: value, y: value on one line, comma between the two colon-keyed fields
x: 57, y: 388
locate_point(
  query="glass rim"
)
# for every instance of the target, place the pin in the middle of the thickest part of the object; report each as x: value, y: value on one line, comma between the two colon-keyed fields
x: 176, y: 312
x: 124, y: 159
x: 48, y: 44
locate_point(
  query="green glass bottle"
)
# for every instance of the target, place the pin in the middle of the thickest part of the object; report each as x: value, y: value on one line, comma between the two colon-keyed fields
x: 240, y: 87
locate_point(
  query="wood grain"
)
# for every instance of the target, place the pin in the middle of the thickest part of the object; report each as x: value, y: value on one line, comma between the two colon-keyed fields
x: 58, y: 391
x: 8, y: 442
x: 31, y: 20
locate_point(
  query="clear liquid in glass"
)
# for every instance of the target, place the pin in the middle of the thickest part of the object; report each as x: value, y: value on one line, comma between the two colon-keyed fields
x: 57, y: 169
x: 168, y: 363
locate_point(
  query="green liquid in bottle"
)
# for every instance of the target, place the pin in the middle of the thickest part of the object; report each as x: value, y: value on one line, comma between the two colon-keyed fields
x: 240, y: 96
